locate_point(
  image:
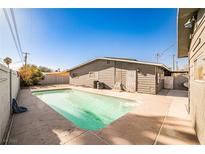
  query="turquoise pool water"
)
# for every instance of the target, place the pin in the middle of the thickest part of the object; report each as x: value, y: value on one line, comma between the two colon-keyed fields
x: 86, y: 110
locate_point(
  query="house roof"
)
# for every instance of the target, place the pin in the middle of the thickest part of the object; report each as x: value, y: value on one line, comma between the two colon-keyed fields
x: 121, y: 60
x: 184, y: 15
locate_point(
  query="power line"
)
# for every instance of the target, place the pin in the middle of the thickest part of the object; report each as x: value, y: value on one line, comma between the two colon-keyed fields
x: 16, y: 30
x: 12, y: 33
x: 158, y: 55
x: 17, y: 62
x: 171, y: 46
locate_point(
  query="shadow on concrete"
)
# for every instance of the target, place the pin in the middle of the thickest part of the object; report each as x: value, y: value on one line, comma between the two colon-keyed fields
x: 41, y: 125
x: 143, y: 130
x: 175, y: 93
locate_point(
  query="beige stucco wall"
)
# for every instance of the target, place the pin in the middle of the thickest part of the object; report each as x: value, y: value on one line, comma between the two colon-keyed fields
x: 197, y: 88
x: 5, y: 96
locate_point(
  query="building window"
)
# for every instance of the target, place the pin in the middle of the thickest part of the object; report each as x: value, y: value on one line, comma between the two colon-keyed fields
x: 108, y: 61
x: 198, y: 69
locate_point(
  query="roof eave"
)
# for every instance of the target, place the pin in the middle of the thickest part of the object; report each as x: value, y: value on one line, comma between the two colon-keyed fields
x: 184, y: 34
x: 112, y: 59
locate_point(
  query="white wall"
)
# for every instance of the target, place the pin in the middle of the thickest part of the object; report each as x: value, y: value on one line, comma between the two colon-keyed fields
x: 5, y: 96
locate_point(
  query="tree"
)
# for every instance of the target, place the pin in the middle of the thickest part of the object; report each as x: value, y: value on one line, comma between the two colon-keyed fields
x: 30, y: 75
x: 45, y: 69
x: 8, y: 61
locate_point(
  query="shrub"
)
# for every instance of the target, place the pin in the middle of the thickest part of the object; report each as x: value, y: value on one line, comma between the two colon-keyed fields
x: 30, y: 75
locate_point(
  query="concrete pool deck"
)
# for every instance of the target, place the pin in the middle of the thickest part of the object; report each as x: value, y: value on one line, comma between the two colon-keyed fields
x: 157, y: 119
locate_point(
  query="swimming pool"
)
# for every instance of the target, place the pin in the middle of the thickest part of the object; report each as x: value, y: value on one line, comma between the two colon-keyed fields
x: 86, y: 110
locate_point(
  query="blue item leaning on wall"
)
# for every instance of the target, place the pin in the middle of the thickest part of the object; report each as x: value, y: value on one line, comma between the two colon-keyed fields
x: 16, y: 108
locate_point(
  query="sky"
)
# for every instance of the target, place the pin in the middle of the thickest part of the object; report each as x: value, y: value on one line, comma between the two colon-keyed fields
x: 63, y: 38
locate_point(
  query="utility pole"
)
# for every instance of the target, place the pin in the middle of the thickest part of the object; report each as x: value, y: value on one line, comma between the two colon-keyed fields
x: 157, y: 55
x: 25, y: 60
x: 177, y: 67
x: 26, y: 57
x: 173, y: 62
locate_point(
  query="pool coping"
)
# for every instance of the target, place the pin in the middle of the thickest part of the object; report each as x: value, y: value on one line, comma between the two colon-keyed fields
x: 136, y: 102
x: 131, y: 100
x: 118, y: 97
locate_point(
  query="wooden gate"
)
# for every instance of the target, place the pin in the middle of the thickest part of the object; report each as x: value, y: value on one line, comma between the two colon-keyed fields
x: 131, y: 80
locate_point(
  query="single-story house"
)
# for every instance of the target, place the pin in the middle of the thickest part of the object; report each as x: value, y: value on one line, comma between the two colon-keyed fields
x: 191, y: 44
x: 132, y: 75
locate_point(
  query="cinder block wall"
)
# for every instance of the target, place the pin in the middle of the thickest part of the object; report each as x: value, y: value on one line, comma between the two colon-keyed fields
x: 54, y: 79
x: 5, y: 96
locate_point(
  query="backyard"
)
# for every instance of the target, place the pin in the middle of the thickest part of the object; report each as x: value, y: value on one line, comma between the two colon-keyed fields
x: 156, y: 119
x: 85, y: 76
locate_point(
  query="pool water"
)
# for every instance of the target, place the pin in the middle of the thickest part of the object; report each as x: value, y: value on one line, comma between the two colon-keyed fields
x: 86, y: 110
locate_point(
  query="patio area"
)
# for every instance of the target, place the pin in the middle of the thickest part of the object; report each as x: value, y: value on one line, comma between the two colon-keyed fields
x: 157, y: 119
